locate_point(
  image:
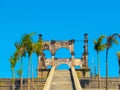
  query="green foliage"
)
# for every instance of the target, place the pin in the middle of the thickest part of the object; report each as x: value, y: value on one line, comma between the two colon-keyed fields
x: 13, y: 60
x: 38, y: 47
x: 16, y: 55
x: 110, y: 41
x: 98, y: 46
x: 27, y: 43
x: 118, y: 54
x: 19, y: 72
x: 20, y: 48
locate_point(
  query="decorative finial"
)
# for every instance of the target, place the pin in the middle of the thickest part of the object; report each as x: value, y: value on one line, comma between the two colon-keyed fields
x: 40, y: 36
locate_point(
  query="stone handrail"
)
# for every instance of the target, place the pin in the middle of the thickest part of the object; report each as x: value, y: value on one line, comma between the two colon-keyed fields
x: 75, y: 78
x: 49, y: 79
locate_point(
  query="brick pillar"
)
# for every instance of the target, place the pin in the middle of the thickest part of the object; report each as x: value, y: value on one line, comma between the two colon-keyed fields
x: 85, y: 50
x: 39, y: 65
x: 53, y: 51
x: 73, y: 59
x: 53, y: 60
x: 71, y: 43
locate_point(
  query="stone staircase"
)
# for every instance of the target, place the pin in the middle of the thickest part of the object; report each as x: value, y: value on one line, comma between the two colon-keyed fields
x: 62, y: 80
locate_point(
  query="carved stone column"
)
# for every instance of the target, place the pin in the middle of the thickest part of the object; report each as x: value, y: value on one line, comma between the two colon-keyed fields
x: 39, y: 59
x: 73, y: 59
x: 53, y: 60
x: 86, y: 70
x: 72, y: 51
x: 53, y: 52
x: 85, y: 50
x: 43, y: 61
x: 39, y: 66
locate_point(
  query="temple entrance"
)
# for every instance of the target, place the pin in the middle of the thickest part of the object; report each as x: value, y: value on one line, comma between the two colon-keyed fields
x: 66, y: 49
x: 63, y: 67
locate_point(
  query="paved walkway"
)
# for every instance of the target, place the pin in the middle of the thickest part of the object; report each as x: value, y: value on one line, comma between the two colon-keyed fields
x: 62, y: 81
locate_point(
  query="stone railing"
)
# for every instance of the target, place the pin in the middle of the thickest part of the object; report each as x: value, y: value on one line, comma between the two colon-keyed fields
x: 75, y: 78
x: 49, y: 79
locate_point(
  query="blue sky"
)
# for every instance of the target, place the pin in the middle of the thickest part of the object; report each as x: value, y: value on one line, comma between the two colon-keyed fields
x: 59, y: 20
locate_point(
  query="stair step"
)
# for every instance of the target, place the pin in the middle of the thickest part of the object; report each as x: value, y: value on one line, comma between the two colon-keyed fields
x: 62, y: 80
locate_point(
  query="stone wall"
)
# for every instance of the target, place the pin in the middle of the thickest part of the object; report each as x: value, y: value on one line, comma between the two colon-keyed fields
x: 6, y: 84
x: 86, y: 83
x: 113, y: 83
x: 83, y: 72
x: 43, y: 73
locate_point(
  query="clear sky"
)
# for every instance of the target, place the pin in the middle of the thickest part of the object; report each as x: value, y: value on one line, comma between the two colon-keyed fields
x: 59, y: 20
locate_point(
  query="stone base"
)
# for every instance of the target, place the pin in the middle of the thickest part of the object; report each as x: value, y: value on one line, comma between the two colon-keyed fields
x: 83, y: 72
x: 43, y: 73
x: 92, y: 83
x: 6, y: 84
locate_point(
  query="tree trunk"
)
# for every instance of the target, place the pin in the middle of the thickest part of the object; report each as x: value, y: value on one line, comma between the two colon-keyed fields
x: 28, y: 85
x: 38, y: 70
x: 32, y: 74
x: 13, y: 86
x: 99, y: 86
x: 21, y: 80
x: 107, y: 68
x: 21, y: 83
x: 119, y: 65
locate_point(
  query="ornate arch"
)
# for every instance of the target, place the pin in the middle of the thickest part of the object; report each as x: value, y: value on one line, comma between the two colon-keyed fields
x: 63, y: 61
x: 53, y: 46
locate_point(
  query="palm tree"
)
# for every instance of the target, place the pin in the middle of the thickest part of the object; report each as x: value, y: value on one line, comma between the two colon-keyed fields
x: 38, y: 48
x: 98, y: 46
x: 110, y: 41
x: 118, y: 56
x: 13, y: 60
x: 27, y: 42
x: 21, y: 49
x: 19, y: 72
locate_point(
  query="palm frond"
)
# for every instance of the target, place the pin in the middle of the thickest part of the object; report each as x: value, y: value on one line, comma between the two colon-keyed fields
x: 17, y: 45
x: 31, y: 34
x: 100, y: 39
x: 115, y: 41
x: 38, y: 48
x: 27, y: 43
x: 95, y: 42
x: 19, y: 72
x: 98, y: 44
x: 111, y: 40
x: 118, y: 54
x: 13, y: 62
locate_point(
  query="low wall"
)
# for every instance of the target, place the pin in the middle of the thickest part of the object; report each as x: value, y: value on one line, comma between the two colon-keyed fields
x: 42, y: 73
x: 113, y: 83
x: 86, y: 84
x: 6, y: 84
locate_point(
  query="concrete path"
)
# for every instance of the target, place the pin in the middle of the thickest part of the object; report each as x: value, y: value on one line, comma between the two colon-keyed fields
x: 62, y: 80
